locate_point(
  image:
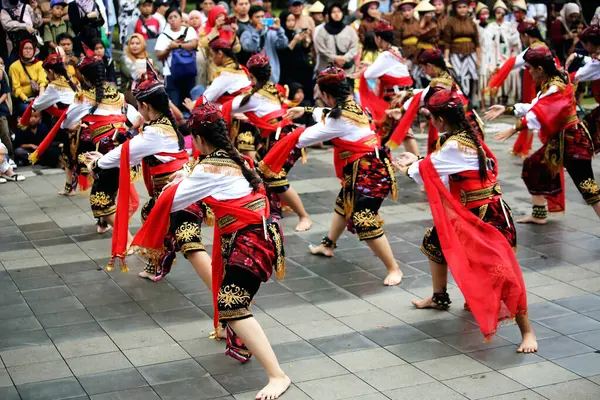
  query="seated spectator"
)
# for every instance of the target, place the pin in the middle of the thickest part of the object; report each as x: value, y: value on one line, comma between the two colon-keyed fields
x: 65, y: 42
x: 27, y: 140
x: 57, y: 24
x: 18, y: 27
x: 259, y: 39
x: 6, y: 171
x: 147, y: 25
x: 109, y: 65
x: 27, y: 76
x: 5, y: 110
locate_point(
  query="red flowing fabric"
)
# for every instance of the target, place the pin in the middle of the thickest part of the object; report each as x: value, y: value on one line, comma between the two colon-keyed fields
x: 406, y: 122
x: 226, y: 110
x: 358, y: 148
x: 369, y: 100
x: 54, y: 111
x: 225, y: 97
x: 432, y: 137
x: 279, y: 153
x: 524, y: 141
x: 480, y: 258
x: 262, y: 122
x: 35, y: 156
x: 500, y: 76
x: 180, y: 160
x: 24, y: 120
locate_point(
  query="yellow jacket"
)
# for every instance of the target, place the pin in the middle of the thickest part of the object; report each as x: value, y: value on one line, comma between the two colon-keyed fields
x: 21, y: 84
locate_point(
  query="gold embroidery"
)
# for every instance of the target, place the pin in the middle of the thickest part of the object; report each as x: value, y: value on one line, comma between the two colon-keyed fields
x: 280, y: 259
x: 444, y: 80
x: 233, y: 295
x: 163, y: 126
x: 589, y: 186
x: 245, y: 141
x: 270, y: 92
x: 479, y: 194
x: 465, y: 143
x: 554, y: 81
x: 112, y: 98
x: 229, y: 66
x: 187, y: 232
x: 100, y: 199
x: 353, y: 112
x: 365, y: 219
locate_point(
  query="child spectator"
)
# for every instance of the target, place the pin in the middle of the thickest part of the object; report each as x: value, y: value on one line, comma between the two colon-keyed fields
x: 109, y: 65
x: 147, y: 25
x: 6, y: 171
x: 29, y: 138
x: 57, y: 24
x: 65, y: 41
x: 161, y: 7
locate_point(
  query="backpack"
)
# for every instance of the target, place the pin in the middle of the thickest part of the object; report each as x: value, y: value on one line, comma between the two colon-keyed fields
x: 183, y: 62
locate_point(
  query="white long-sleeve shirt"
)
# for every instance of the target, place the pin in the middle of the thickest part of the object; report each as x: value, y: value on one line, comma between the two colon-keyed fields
x: 57, y: 91
x: 590, y: 71
x: 387, y: 64
x: 226, y: 83
x: 524, y: 109
x: 81, y: 108
x: 258, y: 104
x: 343, y: 128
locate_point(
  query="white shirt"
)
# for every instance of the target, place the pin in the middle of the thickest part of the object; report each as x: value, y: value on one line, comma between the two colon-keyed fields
x: 387, y: 64
x: 52, y: 95
x: 162, y: 22
x: 341, y: 128
x: 258, y: 104
x: 77, y: 111
x: 590, y: 71
x: 523, y: 109
x: 163, y: 42
x: 226, y: 83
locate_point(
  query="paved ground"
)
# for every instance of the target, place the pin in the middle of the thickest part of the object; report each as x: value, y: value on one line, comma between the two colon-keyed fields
x: 70, y: 330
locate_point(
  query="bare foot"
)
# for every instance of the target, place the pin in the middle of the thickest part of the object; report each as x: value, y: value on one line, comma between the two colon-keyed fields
x: 426, y: 303
x: 102, y: 229
x: 532, y: 220
x: 150, y: 276
x: 275, y: 388
x: 528, y: 344
x: 393, y: 278
x: 219, y: 334
x: 321, y: 250
x: 304, y: 224
x: 63, y: 193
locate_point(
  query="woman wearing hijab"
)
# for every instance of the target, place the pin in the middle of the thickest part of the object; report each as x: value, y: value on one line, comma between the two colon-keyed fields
x: 296, y: 59
x: 87, y: 21
x: 561, y: 31
x: 337, y: 43
x: 27, y: 76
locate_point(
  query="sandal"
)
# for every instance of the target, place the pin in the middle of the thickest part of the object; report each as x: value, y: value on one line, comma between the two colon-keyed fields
x: 15, y: 178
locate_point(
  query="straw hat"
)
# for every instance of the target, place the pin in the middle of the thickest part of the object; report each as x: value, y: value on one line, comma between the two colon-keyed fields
x: 317, y: 7
x: 424, y: 7
x: 480, y: 7
x: 520, y: 4
x: 500, y: 4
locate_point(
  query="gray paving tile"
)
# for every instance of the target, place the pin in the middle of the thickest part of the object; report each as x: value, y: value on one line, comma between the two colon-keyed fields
x: 23, y: 339
x: 317, y: 329
x: 141, y: 338
x: 166, y: 303
x: 172, y: 372
x: 560, y: 347
x: 65, y: 318
x: 295, y: 351
x: 112, y: 381
x: 472, y: 341
x: 67, y: 388
x: 243, y: 381
x: 365, y: 360
x: 113, y: 311
x: 428, y: 391
x: 8, y: 299
x: 293, y: 393
x: 75, y: 332
x: 451, y: 367
x: 337, y: 387
x: 394, y: 377
x: 539, y: 374
x: 342, y: 343
x: 591, y: 338
x: 520, y: 395
x: 191, y: 389
x: 86, y: 347
x: 129, y: 394
x: 9, y: 393
x: 122, y: 325
x: 397, y: 334
x: 50, y: 293
x: 444, y: 327
x: 30, y: 355
x: 483, y: 385
x: 175, y: 317
x: 156, y: 354
x: 571, y: 324
x: 21, y: 324
x: 39, y: 372
x: 547, y: 309
x: 583, y: 364
x: 422, y: 350
x: 67, y: 303
x: 504, y: 357
x: 97, y: 363
x: 38, y: 283
x: 580, y: 389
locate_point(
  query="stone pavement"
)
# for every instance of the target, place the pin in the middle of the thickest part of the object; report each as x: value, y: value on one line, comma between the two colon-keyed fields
x: 69, y: 330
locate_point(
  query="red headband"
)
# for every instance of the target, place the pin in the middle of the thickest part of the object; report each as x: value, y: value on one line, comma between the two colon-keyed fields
x: 537, y: 54
x: 443, y: 100
x: 590, y: 33
x: 527, y: 27
x: 204, y: 114
x: 258, y: 60
x: 428, y: 56
x: 52, y: 59
x: 331, y: 74
x: 383, y: 26
x: 219, y: 44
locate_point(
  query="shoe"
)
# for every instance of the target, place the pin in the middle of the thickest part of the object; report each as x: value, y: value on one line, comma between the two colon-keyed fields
x: 2, y: 180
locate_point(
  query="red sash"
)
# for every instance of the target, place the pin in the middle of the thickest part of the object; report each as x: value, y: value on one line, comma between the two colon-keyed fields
x: 225, y: 97
x: 524, y: 141
x: 480, y: 258
x: 273, y: 162
x: 388, y: 82
x: 99, y: 121
x: 500, y: 76
x: 35, y: 156
x: 175, y: 165
x: 355, y: 150
x: 262, y: 123
x: 369, y: 100
x: 399, y: 134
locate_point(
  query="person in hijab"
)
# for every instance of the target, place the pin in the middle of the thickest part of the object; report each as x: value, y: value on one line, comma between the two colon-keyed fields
x: 86, y: 21
x: 336, y: 43
x: 27, y: 76
x: 562, y: 30
x: 296, y: 58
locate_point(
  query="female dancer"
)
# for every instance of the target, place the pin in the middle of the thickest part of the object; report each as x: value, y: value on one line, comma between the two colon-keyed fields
x: 265, y: 106
x: 159, y: 147
x: 566, y: 142
x: 248, y: 244
x: 474, y: 233
x: 101, y: 112
x: 361, y: 164
x: 58, y: 96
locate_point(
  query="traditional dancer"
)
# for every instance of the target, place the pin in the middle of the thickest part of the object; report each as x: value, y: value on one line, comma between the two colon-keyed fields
x: 463, y: 51
x: 406, y: 27
x: 566, y: 142
x: 362, y: 165
x: 442, y: 20
x: 100, y: 114
x: 429, y: 35
x: 264, y: 106
x: 474, y: 234
x: 58, y: 96
x: 248, y: 244
x: 159, y: 148
x: 392, y: 71
x: 482, y: 15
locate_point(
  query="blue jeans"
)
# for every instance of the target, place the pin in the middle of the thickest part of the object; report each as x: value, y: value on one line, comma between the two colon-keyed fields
x: 178, y: 89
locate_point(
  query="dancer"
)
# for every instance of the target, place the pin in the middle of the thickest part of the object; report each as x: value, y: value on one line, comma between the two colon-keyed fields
x: 159, y: 147
x: 442, y: 20
x: 474, y: 234
x: 264, y: 106
x: 429, y: 35
x: 362, y: 165
x: 100, y: 112
x: 248, y: 244
x: 406, y: 27
x: 463, y: 51
x: 58, y: 96
x: 566, y: 143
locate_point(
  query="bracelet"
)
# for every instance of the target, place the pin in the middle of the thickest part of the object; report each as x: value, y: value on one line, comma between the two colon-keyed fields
x: 509, y: 110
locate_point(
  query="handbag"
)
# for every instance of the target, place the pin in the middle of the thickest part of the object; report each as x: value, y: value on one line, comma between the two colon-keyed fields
x: 35, y: 87
x: 348, y: 64
x: 183, y: 62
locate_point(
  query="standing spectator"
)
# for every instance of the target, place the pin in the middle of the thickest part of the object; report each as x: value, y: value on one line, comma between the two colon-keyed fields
x: 370, y: 16
x: 205, y: 7
x: 562, y: 30
x: 19, y: 22
x: 179, y: 40
x: 57, y: 24
x: 259, y: 38
x: 267, y: 5
x: 296, y: 60
x: 128, y: 15
x: 316, y: 13
x: 195, y: 21
x: 27, y: 76
x: 336, y: 43
x: 240, y: 10
x: 442, y: 20
x: 109, y: 65
x: 406, y: 28
x: 160, y: 9
x: 147, y: 25
x: 27, y: 140
x: 302, y: 21
x: 5, y: 110
x: 135, y: 56
x: 482, y: 15
x: 87, y: 22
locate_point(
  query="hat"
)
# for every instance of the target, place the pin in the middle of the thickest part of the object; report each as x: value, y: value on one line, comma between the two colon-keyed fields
x: 443, y: 100
x: 457, y: 2
x: 52, y: 59
x: 429, y: 56
x: 160, y: 3
x: 145, y: 1
x: 527, y: 27
x: 219, y: 44
x: 590, y: 34
x: 58, y: 3
x: 148, y: 84
x: 258, y: 60
x: 408, y: 2
x: 537, y: 54
x: 363, y: 3
x: 520, y: 4
x: 480, y: 7
x: 297, y: 1
x: 331, y: 74
x: 204, y: 114
x: 317, y: 7
x: 500, y: 4
x: 424, y: 7
x: 90, y: 57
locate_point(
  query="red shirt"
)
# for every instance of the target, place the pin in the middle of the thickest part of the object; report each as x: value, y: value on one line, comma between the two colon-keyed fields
x: 152, y: 25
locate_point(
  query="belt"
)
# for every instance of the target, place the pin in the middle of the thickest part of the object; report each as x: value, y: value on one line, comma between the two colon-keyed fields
x: 467, y: 197
x: 410, y: 40
x: 463, y: 40
x: 227, y: 219
x: 94, y: 133
x: 425, y: 45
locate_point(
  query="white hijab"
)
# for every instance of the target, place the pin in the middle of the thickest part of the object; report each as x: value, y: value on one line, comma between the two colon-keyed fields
x: 568, y: 9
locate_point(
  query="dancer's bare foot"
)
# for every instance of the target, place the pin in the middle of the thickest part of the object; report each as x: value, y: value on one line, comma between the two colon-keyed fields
x: 532, y: 220
x: 102, y: 229
x: 393, y: 278
x: 65, y: 193
x: 275, y: 388
x: 426, y: 303
x: 147, y: 275
x: 321, y: 250
x: 219, y: 334
x: 528, y: 344
x: 304, y: 224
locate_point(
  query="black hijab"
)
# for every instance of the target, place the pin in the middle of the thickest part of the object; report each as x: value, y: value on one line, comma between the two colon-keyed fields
x: 289, y: 33
x: 332, y: 27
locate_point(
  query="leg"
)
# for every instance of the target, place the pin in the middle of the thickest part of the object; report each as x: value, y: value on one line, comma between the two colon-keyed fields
x: 381, y: 247
x: 21, y: 156
x: 338, y: 223
x: 68, y: 190
x: 539, y: 214
x: 529, y: 343
x: 410, y: 144
x: 102, y: 198
x: 291, y: 198
x: 432, y: 248
x: 583, y: 176
x: 5, y: 136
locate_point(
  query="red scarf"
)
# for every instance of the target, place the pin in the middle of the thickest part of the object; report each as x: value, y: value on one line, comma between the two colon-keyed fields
x: 500, y: 76
x: 524, y: 141
x: 406, y: 122
x: 35, y: 156
x: 359, y: 148
x: 375, y: 104
x: 481, y: 260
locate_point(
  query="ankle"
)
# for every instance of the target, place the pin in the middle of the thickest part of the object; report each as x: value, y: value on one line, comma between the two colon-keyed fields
x: 539, y: 212
x: 328, y: 243
x: 279, y: 374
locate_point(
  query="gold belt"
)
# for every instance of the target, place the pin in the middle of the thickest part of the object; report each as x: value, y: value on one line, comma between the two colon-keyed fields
x: 253, y: 205
x: 94, y: 133
x: 463, y: 40
x: 410, y: 40
x: 479, y: 194
x: 425, y: 45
